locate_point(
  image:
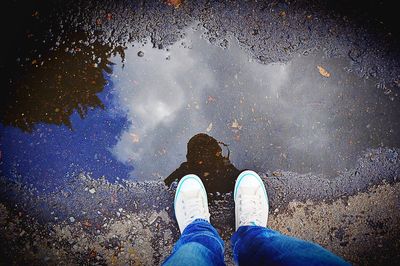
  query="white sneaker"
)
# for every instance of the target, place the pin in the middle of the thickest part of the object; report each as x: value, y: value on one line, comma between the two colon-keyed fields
x: 251, y: 200
x: 190, y: 201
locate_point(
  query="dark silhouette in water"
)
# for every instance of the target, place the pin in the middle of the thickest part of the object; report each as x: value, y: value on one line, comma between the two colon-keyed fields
x: 205, y: 159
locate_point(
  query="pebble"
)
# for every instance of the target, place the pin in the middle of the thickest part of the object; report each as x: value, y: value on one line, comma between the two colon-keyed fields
x: 71, y: 219
x: 92, y: 190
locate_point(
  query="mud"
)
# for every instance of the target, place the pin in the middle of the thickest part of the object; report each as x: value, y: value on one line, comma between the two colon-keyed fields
x: 97, y: 222
x: 363, y: 228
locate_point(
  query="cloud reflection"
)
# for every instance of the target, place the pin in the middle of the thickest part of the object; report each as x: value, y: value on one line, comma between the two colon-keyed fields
x: 159, y: 94
x: 275, y: 116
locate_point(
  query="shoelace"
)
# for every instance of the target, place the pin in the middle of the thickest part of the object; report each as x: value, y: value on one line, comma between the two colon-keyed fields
x: 250, y: 210
x: 194, y: 209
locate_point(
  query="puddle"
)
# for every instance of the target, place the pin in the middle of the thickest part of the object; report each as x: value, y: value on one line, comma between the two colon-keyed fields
x: 276, y: 116
x: 54, y: 117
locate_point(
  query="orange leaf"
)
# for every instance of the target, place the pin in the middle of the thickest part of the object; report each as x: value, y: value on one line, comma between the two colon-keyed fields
x: 174, y: 3
x: 323, y: 72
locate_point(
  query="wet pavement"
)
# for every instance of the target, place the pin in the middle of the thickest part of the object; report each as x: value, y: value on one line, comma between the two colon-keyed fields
x: 106, y: 105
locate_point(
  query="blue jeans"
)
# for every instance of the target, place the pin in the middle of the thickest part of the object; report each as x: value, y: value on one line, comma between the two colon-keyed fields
x: 200, y: 244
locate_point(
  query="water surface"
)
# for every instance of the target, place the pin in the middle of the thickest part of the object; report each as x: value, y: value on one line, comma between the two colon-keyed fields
x: 276, y: 116
x: 133, y: 118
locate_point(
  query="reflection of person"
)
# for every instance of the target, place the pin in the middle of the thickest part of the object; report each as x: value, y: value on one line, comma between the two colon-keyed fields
x: 253, y: 243
x: 205, y: 159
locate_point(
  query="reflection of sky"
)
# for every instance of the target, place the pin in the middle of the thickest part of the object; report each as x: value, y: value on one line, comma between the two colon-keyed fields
x: 288, y: 116
x: 161, y: 98
x: 276, y: 116
x: 50, y: 153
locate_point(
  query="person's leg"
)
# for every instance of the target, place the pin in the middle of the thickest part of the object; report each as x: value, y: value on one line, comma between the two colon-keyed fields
x: 257, y: 245
x: 199, y: 243
x: 254, y: 244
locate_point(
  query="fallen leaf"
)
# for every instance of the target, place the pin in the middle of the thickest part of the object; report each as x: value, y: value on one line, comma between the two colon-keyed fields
x: 209, y: 127
x: 323, y: 72
x: 174, y: 3
x: 236, y: 125
x: 162, y: 151
x: 275, y: 173
x: 93, y: 254
x: 86, y: 223
x: 131, y: 251
x: 134, y: 137
x: 114, y: 260
x: 210, y: 99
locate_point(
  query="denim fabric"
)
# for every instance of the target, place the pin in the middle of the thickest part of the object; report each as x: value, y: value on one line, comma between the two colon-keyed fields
x: 200, y: 244
x: 256, y: 245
